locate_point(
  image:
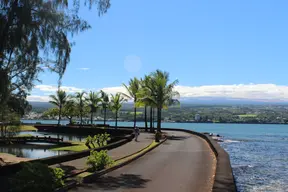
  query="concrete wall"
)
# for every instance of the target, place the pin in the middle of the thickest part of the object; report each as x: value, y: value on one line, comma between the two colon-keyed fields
x: 83, y: 131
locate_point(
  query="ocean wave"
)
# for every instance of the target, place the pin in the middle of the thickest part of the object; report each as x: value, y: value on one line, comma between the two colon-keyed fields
x: 274, y: 186
x: 231, y: 141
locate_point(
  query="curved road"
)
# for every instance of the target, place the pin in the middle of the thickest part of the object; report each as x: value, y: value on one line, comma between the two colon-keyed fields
x: 183, y: 163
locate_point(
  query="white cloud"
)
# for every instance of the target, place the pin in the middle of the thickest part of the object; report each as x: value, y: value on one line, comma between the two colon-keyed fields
x: 51, y: 88
x: 38, y: 98
x: 84, y: 68
x: 240, y: 91
x: 261, y: 92
x: 114, y: 90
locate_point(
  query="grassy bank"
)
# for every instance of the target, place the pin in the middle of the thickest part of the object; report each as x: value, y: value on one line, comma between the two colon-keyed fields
x: 28, y: 128
x: 76, y: 147
x: 24, y: 135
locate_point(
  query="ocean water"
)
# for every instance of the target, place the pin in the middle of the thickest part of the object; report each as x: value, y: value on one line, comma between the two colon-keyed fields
x: 258, y: 153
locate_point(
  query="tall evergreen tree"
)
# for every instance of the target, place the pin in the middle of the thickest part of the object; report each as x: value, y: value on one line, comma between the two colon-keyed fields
x: 35, y: 34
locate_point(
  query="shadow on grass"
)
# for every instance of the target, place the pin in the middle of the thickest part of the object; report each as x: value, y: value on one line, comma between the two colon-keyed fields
x: 124, y: 181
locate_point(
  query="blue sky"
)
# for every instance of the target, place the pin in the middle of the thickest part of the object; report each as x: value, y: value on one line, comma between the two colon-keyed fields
x: 208, y: 45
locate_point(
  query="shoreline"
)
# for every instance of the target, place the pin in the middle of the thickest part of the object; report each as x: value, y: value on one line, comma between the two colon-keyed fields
x: 172, y: 122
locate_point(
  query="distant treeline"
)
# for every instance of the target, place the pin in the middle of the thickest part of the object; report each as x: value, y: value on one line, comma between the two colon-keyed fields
x: 209, y: 113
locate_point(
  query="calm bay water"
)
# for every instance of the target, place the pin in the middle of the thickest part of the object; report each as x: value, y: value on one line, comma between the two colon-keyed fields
x: 38, y: 150
x: 258, y: 153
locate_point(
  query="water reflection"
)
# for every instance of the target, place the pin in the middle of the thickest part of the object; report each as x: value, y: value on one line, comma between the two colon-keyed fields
x: 30, y: 151
x: 36, y: 150
x: 66, y: 137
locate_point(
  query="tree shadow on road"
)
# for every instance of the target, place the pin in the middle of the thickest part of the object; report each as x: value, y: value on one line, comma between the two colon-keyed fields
x: 124, y: 181
x: 68, y: 169
x: 178, y: 137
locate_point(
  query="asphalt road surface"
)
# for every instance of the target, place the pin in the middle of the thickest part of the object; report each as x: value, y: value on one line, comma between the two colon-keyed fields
x: 183, y: 163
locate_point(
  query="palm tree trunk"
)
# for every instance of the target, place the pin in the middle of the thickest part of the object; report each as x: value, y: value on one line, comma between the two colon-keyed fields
x: 135, y: 116
x: 105, y: 117
x: 145, y: 118
x: 91, y: 118
x: 116, y: 119
x: 81, y: 118
x: 2, y: 124
x: 59, y: 116
x: 158, y: 119
x: 151, y: 119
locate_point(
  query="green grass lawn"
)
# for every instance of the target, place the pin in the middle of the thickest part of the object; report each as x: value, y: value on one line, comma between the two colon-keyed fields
x: 24, y: 135
x: 76, y: 147
x: 247, y: 115
x: 27, y: 128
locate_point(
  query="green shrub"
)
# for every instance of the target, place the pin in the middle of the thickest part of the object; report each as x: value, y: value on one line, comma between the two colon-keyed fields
x: 98, y: 140
x: 13, y: 130
x: 99, y: 160
x: 158, y: 136
x: 35, y: 177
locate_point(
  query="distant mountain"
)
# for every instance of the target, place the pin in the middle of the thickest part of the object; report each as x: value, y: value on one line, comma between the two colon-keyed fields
x: 45, y: 105
x: 192, y: 101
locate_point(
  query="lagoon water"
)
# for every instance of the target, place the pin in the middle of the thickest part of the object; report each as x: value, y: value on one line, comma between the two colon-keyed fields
x: 258, y: 153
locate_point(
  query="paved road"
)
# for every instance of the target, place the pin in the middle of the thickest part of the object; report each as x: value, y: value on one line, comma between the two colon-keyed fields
x: 185, y: 163
x: 144, y: 140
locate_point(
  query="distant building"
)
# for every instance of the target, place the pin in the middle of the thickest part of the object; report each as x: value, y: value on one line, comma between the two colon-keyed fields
x: 197, y: 117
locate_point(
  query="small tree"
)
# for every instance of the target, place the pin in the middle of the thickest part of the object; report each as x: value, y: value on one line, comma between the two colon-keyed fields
x: 80, y: 101
x: 132, y: 88
x: 70, y: 111
x: 99, y: 160
x: 51, y: 113
x: 93, y: 101
x: 105, y: 104
x: 59, y: 100
x: 115, y: 105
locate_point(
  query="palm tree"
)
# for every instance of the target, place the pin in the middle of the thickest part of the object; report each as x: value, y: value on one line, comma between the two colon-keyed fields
x: 105, y: 104
x: 132, y: 88
x: 70, y: 110
x: 116, y: 103
x: 144, y: 93
x: 161, y: 93
x: 144, y: 84
x: 93, y: 100
x: 80, y: 100
x: 59, y: 100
